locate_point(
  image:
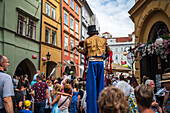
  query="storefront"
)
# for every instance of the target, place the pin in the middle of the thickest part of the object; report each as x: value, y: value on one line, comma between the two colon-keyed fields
x: 152, y: 21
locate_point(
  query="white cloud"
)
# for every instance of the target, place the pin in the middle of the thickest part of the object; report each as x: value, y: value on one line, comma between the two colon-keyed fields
x: 113, y: 16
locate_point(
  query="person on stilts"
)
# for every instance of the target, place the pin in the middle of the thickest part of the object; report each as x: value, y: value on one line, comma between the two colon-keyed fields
x: 95, y: 49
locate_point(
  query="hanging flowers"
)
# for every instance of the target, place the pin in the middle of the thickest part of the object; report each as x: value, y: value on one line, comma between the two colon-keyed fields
x: 161, y: 48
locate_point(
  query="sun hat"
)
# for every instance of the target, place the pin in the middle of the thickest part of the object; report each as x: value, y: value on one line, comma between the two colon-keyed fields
x: 27, y: 103
x: 165, y: 78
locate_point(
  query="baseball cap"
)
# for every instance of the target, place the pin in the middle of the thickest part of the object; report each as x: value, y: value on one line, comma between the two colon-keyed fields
x: 27, y: 103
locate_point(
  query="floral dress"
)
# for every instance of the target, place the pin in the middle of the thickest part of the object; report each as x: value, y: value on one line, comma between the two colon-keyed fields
x: 74, y: 102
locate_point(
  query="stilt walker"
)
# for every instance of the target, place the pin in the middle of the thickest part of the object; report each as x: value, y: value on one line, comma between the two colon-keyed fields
x: 96, y: 50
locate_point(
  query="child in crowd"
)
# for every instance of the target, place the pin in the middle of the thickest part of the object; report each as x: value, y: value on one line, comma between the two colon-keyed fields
x: 56, y: 89
x: 27, y: 105
x: 63, y: 99
x: 50, y: 88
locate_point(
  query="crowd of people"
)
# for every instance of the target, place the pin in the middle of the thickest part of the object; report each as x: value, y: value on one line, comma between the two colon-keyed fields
x: 67, y: 94
x: 61, y: 95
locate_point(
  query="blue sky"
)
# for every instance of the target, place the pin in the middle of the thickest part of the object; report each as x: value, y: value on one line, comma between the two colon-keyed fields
x: 113, y: 16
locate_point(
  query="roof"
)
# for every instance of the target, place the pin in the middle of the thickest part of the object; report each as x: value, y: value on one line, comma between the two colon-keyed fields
x: 124, y: 39
x: 105, y: 33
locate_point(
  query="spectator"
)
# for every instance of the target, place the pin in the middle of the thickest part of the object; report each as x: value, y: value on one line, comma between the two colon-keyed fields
x: 6, y: 87
x: 39, y: 92
x: 37, y: 74
x: 35, y: 78
x: 82, y: 89
x: 83, y: 107
x: 57, y: 88
x: 144, y: 79
x: 27, y: 105
x: 71, y: 76
x: 50, y: 88
x: 18, y: 98
x: 133, y: 108
x: 112, y: 100
x: 15, y: 81
x: 154, y: 105
x: 144, y: 97
x: 63, y: 101
x: 66, y: 76
x: 75, y: 99
x: 124, y: 86
x: 44, y: 77
x: 56, y: 92
x: 166, y: 83
x: 115, y: 81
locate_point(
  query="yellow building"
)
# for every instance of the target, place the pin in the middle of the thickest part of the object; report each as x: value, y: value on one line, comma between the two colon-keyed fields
x: 51, y: 38
x: 151, y: 19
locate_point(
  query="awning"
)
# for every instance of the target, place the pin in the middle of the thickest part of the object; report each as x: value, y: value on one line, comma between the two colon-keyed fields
x: 118, y: 68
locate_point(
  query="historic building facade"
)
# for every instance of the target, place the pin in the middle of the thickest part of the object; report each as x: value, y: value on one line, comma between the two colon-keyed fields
x: 20, y: 36
x: 151, y: 19
x: 118, y: 45
x: 71, y: 29
x: 51, y: 38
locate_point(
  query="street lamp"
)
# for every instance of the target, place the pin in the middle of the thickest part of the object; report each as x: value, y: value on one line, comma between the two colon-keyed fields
x: 130, y: 57
x: 48, y: 58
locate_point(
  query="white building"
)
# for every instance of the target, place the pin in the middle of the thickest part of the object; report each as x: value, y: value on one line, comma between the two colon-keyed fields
x: 118, y: 45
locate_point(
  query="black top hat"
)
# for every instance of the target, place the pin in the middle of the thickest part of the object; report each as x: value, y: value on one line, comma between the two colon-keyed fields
x: 92, y: 30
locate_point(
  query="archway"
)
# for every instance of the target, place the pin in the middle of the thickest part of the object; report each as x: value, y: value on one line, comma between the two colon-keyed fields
x: 73, y: 68
x: 26, y: 67
x: 153, y: 66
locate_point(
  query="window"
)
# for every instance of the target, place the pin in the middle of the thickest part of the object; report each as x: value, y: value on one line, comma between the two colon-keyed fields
x: 77, y: 27
x: 116, y: 50
x: 71, y: 44
x: 47, y: 35
x: 31, y: 29
x: 121, y: 49
x: 66, y: 1
x: 71, y: 4
x: 65, y: 19
x: 66, y: 43
x: 71, y: 23
x: 77, y: 9
x: 21, y: 25
x: 121, y: 57
x: 76, y: 45
x: 116, y: 57
x: 47, y: 9
x: 54, y: 38
x: 52, y: 12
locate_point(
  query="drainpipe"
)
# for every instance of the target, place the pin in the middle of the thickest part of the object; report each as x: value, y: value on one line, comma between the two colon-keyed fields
x: 80, y: 38
x: 40, y: 35
x: 61, y: 35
